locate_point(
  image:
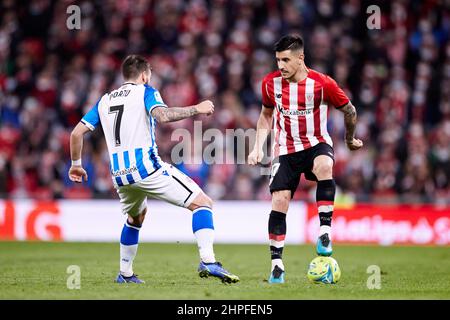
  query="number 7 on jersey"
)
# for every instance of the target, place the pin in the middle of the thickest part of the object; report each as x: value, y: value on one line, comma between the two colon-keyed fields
x: 118, y: 110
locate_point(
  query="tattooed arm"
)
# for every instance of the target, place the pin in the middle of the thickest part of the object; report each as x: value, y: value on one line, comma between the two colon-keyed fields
x: 349, y: 111
x: 163, y: 115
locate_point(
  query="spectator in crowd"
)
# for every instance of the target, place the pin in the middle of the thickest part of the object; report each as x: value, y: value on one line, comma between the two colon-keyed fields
x: 398, y: 77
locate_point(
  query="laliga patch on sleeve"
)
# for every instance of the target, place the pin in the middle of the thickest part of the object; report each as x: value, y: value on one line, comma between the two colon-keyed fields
x: 158, y: 97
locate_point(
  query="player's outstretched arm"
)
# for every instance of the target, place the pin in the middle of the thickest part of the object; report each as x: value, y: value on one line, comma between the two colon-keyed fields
x: 262, y: 130
x: 349, y: 111
x: 163, y: 115
x: 76, y: 171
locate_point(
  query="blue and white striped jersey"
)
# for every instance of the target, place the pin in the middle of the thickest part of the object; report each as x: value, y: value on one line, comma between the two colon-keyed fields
x: 129, y: 128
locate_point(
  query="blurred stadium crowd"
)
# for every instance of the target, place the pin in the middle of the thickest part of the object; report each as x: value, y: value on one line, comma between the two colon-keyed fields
x: 397, y: 77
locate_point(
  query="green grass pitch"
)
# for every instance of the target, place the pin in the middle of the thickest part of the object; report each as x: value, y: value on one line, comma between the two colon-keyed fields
x: 37, y: 270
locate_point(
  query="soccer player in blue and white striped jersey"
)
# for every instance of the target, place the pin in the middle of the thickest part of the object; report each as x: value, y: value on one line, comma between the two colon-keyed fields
x: 128, y: 116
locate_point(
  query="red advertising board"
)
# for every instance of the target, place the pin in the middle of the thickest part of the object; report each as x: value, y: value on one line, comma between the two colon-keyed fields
x: 69, y: 220
x: 385, y: 224
x: 40, y: 217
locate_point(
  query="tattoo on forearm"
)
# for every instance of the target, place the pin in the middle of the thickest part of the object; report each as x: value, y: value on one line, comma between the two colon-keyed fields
x: 173, y: 114
x: 350, y: 121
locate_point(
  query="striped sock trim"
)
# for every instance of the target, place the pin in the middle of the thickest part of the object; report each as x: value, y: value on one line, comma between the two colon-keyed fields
x: 327, y: 208
x: 321, y: 203
x: 277, y: 237
x: 201, y: 208
x: 277, y: 244
x: 131, y: 226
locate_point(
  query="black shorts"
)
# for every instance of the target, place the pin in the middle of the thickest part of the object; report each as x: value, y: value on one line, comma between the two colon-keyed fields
x: 287, y: 169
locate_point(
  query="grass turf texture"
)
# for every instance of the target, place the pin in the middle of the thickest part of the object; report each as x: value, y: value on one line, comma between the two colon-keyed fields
x: 37, y: 270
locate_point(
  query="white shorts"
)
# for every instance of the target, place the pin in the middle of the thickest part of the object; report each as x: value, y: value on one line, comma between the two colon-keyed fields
x: 168, y: 184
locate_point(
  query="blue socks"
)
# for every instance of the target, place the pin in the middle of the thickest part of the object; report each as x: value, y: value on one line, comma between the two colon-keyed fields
x: 130, y: 234
x: 128, y: 248
x: 203, y: 228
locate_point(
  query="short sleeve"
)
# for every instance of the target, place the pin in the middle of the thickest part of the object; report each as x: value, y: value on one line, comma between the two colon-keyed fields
x: 92, y: 118
x: 152, y: 99
x: 266, y: 101
x: 334, y: 94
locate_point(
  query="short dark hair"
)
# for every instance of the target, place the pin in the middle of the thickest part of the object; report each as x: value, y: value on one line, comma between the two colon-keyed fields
x: 289, y: 42
x: 133, y: 66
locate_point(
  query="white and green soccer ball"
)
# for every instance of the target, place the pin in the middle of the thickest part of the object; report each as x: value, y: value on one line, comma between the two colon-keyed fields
x: 324, y: 270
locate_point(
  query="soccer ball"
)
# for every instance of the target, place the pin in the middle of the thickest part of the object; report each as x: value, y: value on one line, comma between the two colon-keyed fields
x: 324, y: 270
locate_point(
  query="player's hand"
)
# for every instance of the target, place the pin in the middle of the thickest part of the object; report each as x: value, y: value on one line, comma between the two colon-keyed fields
x: 354, y: 144
x: 205, y: 107
x: 77, y: 173
x: 255, y: 157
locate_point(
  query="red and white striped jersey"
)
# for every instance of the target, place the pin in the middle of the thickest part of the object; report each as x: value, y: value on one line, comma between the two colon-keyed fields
x: 300, y: 110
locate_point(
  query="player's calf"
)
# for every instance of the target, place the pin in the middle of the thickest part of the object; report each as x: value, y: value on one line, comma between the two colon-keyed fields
x: 203, y: 229
x: 129, y: 241
x: 137, y: 220
x: 277, y: 234
x: 326, y: 190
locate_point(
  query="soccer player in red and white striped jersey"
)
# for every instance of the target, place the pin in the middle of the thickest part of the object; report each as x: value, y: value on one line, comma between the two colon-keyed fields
x: 295, y: 104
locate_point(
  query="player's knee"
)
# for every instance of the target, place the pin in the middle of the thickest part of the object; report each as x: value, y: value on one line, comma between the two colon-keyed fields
x: 323, y: 170
x: 202, y: 200
x: 280, y: 201
x: 137, y: 220
x: 207, y: 201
